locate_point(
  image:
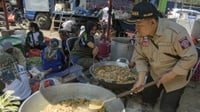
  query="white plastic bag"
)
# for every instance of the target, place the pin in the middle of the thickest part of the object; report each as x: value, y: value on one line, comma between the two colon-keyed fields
x: 21, y: 87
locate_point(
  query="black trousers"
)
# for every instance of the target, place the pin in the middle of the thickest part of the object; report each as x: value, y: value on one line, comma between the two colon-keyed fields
x: 169, y: 101
x: 2, y: 86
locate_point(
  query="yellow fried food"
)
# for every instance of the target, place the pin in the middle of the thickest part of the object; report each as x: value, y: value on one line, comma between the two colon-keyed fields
x: 115, y: 73
x: 72, y: 105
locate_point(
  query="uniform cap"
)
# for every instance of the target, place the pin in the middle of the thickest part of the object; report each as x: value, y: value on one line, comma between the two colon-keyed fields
x: 144, y: 10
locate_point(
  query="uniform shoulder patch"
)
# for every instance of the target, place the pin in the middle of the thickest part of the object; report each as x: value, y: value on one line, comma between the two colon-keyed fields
x: 184, y: 42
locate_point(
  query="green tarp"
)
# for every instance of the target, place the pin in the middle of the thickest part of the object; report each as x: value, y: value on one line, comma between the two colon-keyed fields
x: 162, y: 6
x: 15, y: 42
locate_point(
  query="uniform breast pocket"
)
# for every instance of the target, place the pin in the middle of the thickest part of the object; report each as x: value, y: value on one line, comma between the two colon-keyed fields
x: 166, y: 48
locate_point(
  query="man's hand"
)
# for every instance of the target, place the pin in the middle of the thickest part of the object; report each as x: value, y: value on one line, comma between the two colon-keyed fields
x: 31, y: 44
x: 37, y: 43
x: 166, y: 78
x: 131, y: 65
x: 138, y: 86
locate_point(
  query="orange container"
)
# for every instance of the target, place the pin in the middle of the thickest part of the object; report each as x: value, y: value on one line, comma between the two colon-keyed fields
x: 34, y: 53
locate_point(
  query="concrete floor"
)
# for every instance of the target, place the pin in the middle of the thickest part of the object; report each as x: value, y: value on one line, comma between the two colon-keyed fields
x: 189, y: 103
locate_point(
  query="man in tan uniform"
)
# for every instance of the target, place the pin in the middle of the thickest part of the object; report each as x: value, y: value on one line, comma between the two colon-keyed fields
x: 164, y: 49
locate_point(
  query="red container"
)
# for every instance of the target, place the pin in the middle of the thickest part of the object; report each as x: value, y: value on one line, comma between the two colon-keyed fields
x: 104, y: 48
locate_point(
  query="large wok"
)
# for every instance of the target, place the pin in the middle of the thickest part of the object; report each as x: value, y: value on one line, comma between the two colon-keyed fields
x: 37, y: 102
x: 112, y: 84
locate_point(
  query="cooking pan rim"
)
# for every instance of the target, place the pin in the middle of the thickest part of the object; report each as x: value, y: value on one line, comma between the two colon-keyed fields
x: 92, y: 68
x: 28, y: 100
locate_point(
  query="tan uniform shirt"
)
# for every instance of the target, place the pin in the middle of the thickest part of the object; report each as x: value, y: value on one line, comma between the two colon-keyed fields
x: 170, y: 38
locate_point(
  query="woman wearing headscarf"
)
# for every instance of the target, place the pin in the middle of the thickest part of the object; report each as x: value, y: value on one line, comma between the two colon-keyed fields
x: 85, y: 50
x: 53, y: 57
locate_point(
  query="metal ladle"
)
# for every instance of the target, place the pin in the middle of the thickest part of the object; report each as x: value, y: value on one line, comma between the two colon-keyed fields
x: 98, y: 104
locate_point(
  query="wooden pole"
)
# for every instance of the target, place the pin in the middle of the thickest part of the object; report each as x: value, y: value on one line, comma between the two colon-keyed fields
x: 19, y: 4
x: 109, y: 19
x: 5, y: 13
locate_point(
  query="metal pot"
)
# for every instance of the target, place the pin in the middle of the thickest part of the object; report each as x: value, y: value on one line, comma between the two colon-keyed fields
x: 122, y: 62
x: 121, y: 47
x: 36, y: 102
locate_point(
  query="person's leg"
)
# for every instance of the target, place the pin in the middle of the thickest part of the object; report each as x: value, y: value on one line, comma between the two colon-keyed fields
x: 151, y: 94
x: 170, y: 101
x: 85, y: 62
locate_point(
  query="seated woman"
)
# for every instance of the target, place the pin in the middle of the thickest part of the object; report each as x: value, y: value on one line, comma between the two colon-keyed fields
x: 85, y: 51
x: 34, y: 38
x: 53, y: 58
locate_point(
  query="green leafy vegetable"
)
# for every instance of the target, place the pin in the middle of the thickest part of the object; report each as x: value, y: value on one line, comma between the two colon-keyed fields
x: 9, y: 103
